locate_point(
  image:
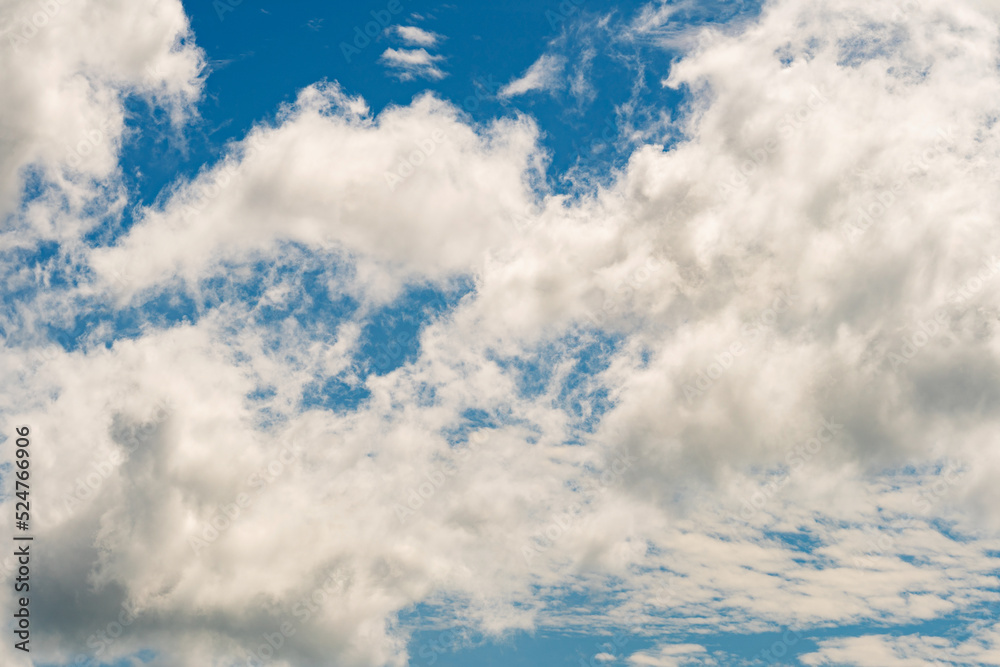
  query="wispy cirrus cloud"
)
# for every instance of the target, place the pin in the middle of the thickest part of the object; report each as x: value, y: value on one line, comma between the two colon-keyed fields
x: 545, y: 74
x: 407, y: 64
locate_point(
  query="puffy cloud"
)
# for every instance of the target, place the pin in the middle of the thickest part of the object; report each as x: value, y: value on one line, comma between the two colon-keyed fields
x: 415, y: 36
x: 68, y: 65
x: 422, y: 194
x: 751, y: 381
x: 777, y: 192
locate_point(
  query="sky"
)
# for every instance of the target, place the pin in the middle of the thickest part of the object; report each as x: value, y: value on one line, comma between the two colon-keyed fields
x: 552, y: 333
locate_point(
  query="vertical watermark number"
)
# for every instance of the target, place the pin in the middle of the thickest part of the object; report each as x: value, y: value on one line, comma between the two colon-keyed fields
x: 22, y: 520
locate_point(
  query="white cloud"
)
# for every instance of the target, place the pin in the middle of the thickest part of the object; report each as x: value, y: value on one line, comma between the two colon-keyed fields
x: 656, y: 22
x: 67, y: 67
x: 983, y: 648
x: 415, y: 36
x: 544, y: 74
x: 464, y: 185
x: 413, y: 63
x: 795, y: 125
x: 674, y: 655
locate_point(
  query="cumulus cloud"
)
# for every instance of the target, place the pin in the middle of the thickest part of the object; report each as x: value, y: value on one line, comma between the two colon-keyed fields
x: 422, y: 195
x: 415, y: 36
x: 67, y: 68
x: 751, y: 382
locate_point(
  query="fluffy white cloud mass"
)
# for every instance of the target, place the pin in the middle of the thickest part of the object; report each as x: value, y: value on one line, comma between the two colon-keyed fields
x: 66, y: 66
x: 780, y: 330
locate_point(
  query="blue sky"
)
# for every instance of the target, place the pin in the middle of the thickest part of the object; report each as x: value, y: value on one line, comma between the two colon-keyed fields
x: 249, y: 47
x: 653, y: 333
